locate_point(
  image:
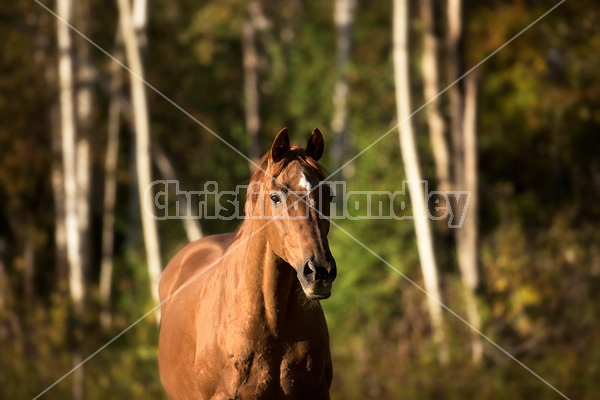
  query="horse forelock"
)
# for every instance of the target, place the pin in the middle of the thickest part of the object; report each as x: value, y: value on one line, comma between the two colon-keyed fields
x: 269, y: 170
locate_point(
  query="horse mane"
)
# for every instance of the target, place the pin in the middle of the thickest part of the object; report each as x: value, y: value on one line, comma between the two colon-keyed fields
x: 274, y: 169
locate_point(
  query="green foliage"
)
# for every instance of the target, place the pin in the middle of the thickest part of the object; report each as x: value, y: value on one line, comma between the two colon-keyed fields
x: 539, y: 175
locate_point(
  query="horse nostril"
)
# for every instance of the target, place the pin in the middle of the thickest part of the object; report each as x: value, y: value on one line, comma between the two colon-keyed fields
x: 309, y: 270
x: 314, y: 273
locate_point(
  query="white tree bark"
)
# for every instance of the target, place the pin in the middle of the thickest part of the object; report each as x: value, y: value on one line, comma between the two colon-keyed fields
x: 343, y: 18
x: 464, y: 148
x: 468, y: 234
x: 431, y: 87
x: 413, y: 173
x: 69, y: 139
x: 110, y: 186
x: 251, y: 83
x: 140, y: 22
x: 68, y: 133
x: 453, y: 43
x: 58, y: 193
x: 85, y: 103
x: 142, y: 145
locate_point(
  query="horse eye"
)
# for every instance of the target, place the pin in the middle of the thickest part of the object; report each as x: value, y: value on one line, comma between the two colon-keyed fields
x: 275, y: 198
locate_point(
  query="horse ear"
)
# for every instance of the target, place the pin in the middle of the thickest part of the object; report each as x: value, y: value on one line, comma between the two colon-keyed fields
x: 315, y: 145
x: 281, y: 145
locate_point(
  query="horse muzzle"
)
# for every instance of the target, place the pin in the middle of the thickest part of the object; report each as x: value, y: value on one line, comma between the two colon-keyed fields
x: 317, y: 278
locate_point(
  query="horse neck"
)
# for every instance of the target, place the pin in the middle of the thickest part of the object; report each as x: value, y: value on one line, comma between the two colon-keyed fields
x: 268, y: 284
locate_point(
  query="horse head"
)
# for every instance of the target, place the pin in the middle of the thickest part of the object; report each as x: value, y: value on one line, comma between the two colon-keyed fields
x: 289, y: 193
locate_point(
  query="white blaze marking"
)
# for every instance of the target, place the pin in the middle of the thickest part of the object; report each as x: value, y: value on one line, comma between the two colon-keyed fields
x: 305, y: 184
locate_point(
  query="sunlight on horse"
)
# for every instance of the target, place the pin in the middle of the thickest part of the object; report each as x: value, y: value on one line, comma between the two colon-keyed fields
x: 251, y: 326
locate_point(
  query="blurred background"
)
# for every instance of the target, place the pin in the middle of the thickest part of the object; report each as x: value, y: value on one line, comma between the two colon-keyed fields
x: 79, y: 137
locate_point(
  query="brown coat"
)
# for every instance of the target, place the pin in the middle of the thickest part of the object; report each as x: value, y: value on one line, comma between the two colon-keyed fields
x: 246, y: 322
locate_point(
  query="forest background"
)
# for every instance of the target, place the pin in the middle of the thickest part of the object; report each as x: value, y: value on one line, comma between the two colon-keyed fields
x: 80, y: 137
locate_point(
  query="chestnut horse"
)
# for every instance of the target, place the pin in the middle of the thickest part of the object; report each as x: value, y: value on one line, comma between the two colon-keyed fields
x: 251, y: 326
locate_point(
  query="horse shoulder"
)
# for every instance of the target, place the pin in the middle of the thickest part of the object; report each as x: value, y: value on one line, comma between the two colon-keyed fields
x: 178, y: 338
x: 191, y: 260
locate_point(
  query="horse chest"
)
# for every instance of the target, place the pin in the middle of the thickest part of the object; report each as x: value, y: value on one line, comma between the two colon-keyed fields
x: 297, y: 367
x: 275, y: 370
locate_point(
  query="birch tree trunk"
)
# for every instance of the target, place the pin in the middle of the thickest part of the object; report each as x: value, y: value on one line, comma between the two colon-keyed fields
x: 57, y: 181
x: 468, y: 234
x: 68, y: 133
x: 85, y: 100
x: 464, y: 149
x: 58, y: 194
x: 453, y: 46
x: 251, y: 84
x: 69, y: 137
x: 431, y: 86
x: 413, y: 174
x: 191, y: 225
x: 140, y: 23
x: 142, y: 145
x: 133, y: 205
x: 343, y: 18
x: 110, y: 186
x: 139, y: 26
